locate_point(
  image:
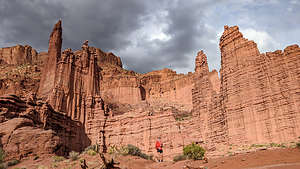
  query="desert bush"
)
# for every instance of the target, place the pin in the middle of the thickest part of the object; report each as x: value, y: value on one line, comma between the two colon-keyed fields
x: 133, y: 150
x: 257, y: 145
x: 73, y: 155
x: 123, y: 150
x: 42, y: 167
x: 13, y: 162
x: 274, y: 145
x: 179, y: 158
x: 146, y: 156
x: 91, y: 147
x: 113, y: 150
x: 91, y: 152
x: 194, y: 151
x: 3, y: 166
x: 282, y: 145
x: 58, y: 158
x: 298, y: 144
x: 2, y: 155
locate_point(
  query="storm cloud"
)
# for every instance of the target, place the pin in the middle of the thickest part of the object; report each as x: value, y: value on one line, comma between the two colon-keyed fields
x: 150, y: 35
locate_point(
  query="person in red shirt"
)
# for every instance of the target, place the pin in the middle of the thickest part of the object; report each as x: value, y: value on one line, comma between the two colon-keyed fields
x: 159, y: 146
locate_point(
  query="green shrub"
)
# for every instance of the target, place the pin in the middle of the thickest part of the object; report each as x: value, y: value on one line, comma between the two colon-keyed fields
x: 146, y: 156
x: 91, y: 152
x: 274, y: 145
x: 133, y: 150
x: 58, y: 158
x: 298, y: 145
x: 13, y: 162
x: 91, y: 147
x: 42, y: 167
x: 179, y: 158
x: 282, y: 145
x: 194, y: 151
x: 73, y: 155
x: 123, y: 151
x: 2, y: 155
x: 113, y: 150
x: 3, y: 166
x: 257, y: 145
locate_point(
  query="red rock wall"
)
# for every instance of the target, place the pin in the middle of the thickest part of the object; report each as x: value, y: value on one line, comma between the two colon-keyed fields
x: 77, y: 84
x: 260, y: 92
x: 30, y: 128
x: 139, y: 128
x: 17, y: 55
x: 206, y: 103
x: 214, y: 79
x: 168, y: 87
x: 158, y: 86
x: 104, y: 58
x: 257, y: 99
x: 121, y: 89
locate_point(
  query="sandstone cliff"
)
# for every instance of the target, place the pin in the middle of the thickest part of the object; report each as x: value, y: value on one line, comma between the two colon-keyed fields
x: 19, y: 79
x: 30, y: 128
x: 17, y: 55
x: 260, y: 92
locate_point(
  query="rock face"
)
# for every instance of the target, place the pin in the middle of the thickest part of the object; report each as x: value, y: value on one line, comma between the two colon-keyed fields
x: 166, y: 86
x: 54, y: 52
x: 258, y: 99
x: 76, y: 89
x: 207, y: 104
x: 30, y: 128
x: 260, y: 92
x: 127, y: 87
x: 19, y: 79
x: 17, y: 55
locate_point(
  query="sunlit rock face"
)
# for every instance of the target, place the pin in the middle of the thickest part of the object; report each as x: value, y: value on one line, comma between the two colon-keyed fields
x: 260, y: 92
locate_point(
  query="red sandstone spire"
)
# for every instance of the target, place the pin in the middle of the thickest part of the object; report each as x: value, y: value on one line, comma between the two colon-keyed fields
x: 54, y: 53
x: 201, y: 62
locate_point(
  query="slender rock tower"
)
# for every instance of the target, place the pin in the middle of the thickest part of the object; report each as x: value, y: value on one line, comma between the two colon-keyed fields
x: 54, y: 54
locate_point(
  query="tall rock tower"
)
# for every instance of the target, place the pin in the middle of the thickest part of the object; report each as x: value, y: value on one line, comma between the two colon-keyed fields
x: 207, y: 105
x: 260, y: 92
x: 54, y: 54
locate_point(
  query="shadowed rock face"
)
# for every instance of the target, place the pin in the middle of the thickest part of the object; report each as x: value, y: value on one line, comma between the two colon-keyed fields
x: 256, y: 100
x: 76, y: 88
x: 29, y: 128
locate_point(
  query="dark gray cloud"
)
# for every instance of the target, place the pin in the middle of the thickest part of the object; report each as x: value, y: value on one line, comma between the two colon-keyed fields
x: 187, y: 34
x: 149, y: 35
x: 27, y: 22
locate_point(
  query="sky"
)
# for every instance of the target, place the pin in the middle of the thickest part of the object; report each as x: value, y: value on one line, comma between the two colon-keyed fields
x: 151, y: 34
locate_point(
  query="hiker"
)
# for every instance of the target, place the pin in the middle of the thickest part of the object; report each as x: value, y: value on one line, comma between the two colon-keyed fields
x: 83, y: 164
x: 159, y: 146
